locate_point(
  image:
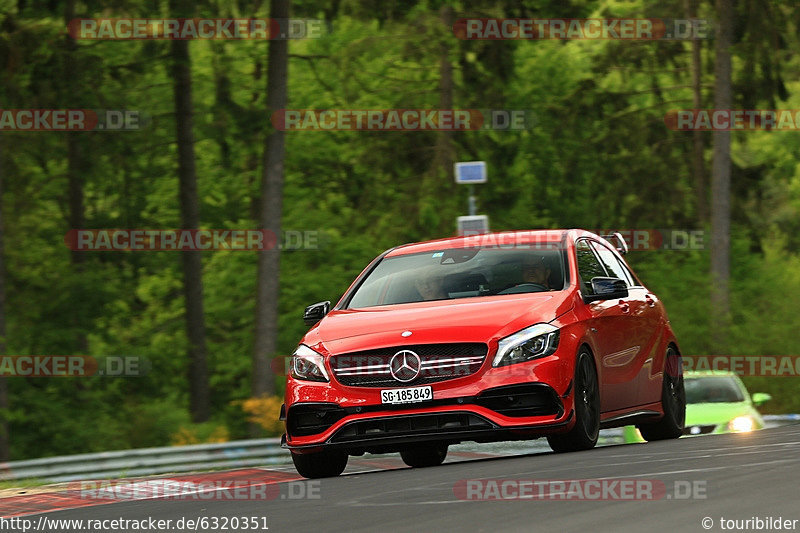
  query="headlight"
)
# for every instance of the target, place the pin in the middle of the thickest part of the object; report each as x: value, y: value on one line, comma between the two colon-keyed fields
x: 308, y: 365
x: 741, y: 424
x: 539, y: 340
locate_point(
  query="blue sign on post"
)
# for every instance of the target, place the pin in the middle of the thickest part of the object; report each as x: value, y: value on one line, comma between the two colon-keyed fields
x: 471, y: 172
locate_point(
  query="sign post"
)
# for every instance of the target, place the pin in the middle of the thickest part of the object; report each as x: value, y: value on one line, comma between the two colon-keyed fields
x: 470, y: 173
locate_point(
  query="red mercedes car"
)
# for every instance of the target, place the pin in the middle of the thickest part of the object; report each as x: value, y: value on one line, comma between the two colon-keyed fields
x: 484, y: 338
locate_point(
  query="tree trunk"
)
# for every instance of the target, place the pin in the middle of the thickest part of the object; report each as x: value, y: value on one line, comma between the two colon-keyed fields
x: 445, y: 151
x: 199, y: 402
x: 75, y: 172
x: 438, y: 180
x: 4, y: 435
x: 270, y: 210
x: 698, y: 146
x: 721, y: 183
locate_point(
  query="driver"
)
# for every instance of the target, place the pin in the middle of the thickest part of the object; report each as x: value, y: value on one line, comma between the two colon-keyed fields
x: 534, y: 270
x: 429, y: 285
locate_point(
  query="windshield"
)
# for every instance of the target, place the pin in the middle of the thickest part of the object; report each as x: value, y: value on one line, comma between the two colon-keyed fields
x: 460, y: 273
x: 713, y: 389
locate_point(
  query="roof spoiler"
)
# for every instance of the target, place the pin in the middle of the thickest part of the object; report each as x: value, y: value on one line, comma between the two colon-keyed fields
x: 618, y: 241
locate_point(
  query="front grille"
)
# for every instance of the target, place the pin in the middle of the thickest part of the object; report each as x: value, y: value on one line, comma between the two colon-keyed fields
x: 439, y: 362
x: 699, y: 429
x: 409, y: 425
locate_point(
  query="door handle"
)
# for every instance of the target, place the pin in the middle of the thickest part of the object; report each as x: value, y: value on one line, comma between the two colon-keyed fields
x: 650, y: 301
x: 624, y: 307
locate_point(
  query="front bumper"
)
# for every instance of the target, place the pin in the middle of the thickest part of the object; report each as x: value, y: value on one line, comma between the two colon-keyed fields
x: 511, y: 412
x: 521, y: 401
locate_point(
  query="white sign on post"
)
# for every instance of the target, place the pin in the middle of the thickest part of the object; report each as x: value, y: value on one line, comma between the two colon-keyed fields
x: 473, y: 225
x: 470, y: 172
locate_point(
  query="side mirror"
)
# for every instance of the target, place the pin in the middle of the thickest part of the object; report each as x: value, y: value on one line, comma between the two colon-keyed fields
x: 760, y: 397
x: 606, y: 289
x: 315, y: 312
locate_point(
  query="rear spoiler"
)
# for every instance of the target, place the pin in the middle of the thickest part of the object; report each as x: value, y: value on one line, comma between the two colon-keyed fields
x: 618, y: 241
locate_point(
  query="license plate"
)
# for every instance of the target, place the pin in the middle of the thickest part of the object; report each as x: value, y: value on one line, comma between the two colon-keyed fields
x: 409, y: 395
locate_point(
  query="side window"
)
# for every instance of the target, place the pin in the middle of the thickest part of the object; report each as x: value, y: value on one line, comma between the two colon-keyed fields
x: 588, y: 266
x: 612, y: 264
x: 632, y: 281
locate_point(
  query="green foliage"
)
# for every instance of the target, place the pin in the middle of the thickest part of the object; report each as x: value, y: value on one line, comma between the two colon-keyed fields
x: 598, y: 156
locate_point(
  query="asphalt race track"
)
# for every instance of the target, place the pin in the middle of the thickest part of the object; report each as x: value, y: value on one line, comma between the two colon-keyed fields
x: 735, y: 477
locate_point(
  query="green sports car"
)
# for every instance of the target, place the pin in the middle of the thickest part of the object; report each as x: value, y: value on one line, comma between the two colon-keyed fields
x: 716, y: 402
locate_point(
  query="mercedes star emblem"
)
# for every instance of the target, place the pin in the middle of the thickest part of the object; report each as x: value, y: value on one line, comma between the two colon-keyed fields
x: 405, y: 366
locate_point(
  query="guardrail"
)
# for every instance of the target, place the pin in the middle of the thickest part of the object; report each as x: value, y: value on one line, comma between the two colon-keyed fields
x: 780, y: 420
x: 149, y: 461
x: 234, y: 454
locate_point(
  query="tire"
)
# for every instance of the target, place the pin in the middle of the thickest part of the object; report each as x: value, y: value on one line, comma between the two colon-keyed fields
x: 320, y: 464
x: 583, y: 435
x: 673, y: 402
x: 424, y: 455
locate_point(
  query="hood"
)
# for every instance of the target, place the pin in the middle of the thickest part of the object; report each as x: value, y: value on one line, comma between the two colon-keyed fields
x: 478, y: 319
x: 701, y: 414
